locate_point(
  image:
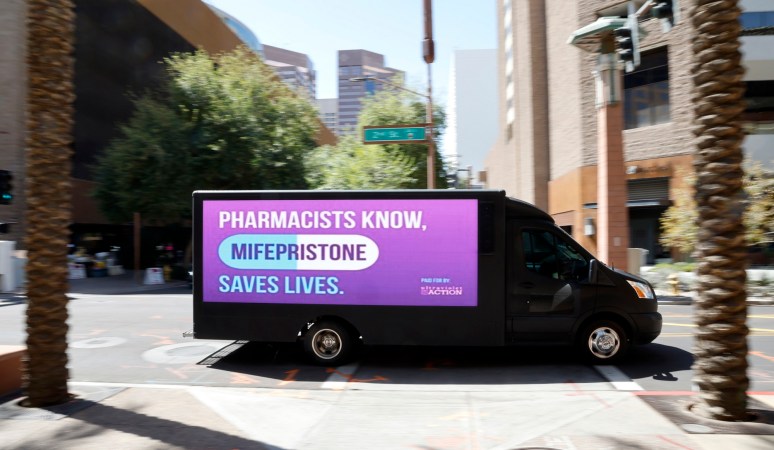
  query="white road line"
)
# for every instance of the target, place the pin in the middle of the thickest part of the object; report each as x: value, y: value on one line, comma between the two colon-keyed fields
x: 618, y: 379
x: 340, y: 376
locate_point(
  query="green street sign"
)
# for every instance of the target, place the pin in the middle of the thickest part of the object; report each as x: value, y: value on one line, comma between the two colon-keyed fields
x: 395, y: 134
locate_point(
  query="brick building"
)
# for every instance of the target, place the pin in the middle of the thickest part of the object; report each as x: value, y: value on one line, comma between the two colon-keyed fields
x: 546, y: 151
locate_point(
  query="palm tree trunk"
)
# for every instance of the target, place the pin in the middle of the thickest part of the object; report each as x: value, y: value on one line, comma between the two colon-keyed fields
x: 50, y: 28
x: 720, y: 348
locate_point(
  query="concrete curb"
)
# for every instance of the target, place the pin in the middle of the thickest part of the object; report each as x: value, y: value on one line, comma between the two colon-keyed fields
x: 688, y: 300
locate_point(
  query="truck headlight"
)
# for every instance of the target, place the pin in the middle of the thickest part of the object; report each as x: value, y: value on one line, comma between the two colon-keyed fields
x: 643, y: 290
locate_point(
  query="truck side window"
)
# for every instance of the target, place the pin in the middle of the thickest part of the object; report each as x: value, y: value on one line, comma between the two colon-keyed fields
x: 551, y: 256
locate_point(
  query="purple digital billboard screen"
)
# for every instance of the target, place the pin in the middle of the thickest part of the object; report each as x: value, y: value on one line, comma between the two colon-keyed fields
x: 340, y: 252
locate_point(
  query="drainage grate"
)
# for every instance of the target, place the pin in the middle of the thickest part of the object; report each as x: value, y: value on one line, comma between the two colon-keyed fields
x: 675, y: 408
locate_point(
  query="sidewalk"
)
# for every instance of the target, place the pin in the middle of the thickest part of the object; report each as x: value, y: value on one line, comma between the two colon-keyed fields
x: 545, y: 416
x: 756, y: 295
x: 130, y: 282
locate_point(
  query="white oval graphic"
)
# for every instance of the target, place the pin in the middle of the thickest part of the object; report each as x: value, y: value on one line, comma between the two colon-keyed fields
x: 298, y: 252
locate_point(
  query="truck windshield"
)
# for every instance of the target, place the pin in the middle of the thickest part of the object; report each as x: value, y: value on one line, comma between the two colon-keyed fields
x: 547, y: 254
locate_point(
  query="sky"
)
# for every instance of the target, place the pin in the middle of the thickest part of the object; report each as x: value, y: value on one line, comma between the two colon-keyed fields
x: 394, y: 28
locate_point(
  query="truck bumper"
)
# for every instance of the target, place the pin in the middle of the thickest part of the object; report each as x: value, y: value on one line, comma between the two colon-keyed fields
x: 648, y: 327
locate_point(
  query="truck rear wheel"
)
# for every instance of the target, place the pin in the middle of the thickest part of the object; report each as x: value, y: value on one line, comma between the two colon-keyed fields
x: 328, y: 343
x: 604, y: 342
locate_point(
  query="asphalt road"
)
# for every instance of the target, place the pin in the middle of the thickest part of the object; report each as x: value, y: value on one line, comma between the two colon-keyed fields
x: 665, y: 365
x: 137, y: 339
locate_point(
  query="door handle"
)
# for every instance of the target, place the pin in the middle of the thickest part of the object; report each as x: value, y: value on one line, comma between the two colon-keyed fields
x: 527, y: 284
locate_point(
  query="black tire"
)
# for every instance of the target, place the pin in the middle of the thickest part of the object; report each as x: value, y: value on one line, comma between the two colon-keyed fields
x: 604, y: 342
x: 328, y: 343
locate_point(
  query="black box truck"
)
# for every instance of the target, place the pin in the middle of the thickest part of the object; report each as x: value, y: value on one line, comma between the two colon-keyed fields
x: 334, y: 269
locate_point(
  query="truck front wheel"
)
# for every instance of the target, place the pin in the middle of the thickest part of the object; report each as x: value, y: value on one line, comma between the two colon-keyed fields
x: 604, y: 342
x: 328, y: 343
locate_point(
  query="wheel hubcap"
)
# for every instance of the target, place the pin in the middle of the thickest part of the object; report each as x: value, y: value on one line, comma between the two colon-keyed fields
x: 604, y: 342
x: 327, y: 344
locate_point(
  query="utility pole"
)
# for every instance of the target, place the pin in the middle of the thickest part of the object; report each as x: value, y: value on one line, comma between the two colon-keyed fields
x: 428, y: 52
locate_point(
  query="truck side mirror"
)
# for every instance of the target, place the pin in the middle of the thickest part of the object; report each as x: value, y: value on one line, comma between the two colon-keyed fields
x: 593, y: 271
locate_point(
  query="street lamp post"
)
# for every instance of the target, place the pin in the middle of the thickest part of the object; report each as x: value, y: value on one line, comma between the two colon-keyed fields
x: 612, y: 221
x: 429, y: 120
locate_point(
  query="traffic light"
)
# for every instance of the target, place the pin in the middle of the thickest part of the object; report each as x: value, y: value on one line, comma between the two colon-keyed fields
x: 667, y: 11
x: 624, y: 41
x: 6, y: 187
x: 5, y: 228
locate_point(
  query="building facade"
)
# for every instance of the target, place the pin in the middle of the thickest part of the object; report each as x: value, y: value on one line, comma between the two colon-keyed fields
x: 360, y: 63
x: 242, y: 31
x: 328, y: 109
x: 471, y: 110
x: 294, y: 69
x: 13, y: 95
x: 758, y: 40
x: 118, y: 47
x: 546, y: 150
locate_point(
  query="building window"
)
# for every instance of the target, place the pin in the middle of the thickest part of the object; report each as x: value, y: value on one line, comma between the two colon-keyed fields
x: 646, y: 91
x: 757, y: 19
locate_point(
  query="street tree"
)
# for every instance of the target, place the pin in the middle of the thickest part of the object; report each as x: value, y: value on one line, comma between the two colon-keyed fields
x: 720, y: 345
x: 49, y: 122
x: 390, y: 107
x: 217, y: 122
x: 759, y: 215
x: 679, y: 223
x: 354, y: 165
x: 679, y: 226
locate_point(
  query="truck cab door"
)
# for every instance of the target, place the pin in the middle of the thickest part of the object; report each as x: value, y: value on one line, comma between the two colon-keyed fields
x: 548, y: 285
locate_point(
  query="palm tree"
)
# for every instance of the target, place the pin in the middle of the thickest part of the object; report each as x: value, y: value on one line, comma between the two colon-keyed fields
x: 50, y: 38
x: 720, y: 348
